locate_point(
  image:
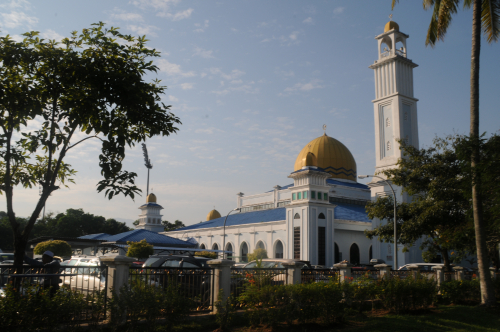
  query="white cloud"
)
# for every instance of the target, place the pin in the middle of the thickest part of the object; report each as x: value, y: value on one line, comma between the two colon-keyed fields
x: 236, y: 81
x: 201, y: 26
x: 242, y: 88
x: 313, y: 84
x: 234, y: 74
x: 172, y: 98
x: 124, y: 16
x: 143, y: 30
x: 338, y: 10
x: 163, y: 8
x: 51, y: 34
x: 23, y: 4
x: 294, y: 35
x: 16, y: 19
x: 209, y: 131
x: 291, y: 39
x: 308, y: 20
x: 173, y: 69
x: 187, y: 86
x: 203, y: 53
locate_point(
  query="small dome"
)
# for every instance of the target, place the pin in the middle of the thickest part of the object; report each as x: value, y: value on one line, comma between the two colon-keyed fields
x: 391, y: 25
x: 151, y: 198
x: 214, y: 214
x: 331, y: 155
x: 310, y: 160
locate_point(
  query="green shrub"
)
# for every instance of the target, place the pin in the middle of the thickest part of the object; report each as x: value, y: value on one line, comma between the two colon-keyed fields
x: 151, y: 303
x: 457, y: 292
x: 58, y: 247
x: 225, y: 311
x: 206, y: 254
x: 140, y: 249
x: 259, y: 253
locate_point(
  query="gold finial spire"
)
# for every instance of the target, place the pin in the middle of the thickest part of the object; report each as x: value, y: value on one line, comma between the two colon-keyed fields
x: 324, y: 129
x: 390, y: 17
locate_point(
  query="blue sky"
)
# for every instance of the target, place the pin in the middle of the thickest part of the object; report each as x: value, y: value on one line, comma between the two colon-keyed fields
x: 253, y: 82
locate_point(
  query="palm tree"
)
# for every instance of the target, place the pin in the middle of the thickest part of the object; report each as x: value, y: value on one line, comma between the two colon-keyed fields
x: 485, y: 18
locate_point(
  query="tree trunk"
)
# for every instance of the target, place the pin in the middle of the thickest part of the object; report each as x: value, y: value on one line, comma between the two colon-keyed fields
x: 487, y: 292
x: 446, y: 260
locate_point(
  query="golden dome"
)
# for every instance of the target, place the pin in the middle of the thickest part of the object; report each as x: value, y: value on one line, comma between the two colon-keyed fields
x: 310, y: 160
x: 390, y: 26
x: 331, y: 155
x: 214, y: 214
x: 151, y: 198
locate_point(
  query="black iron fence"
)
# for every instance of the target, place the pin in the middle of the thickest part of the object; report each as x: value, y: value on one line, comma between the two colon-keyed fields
x: 372, y: 274
x: 194, y: 283
x: 319, y: 275
x: 83, y: 287
x: 241, y: 278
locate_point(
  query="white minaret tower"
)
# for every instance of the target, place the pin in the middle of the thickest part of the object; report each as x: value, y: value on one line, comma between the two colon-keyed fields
x: 395, y: 110
x: 150, y: 217
x: 394, y: 105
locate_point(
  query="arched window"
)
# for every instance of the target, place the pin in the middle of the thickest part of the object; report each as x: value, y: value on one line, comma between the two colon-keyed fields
x: 321, y: 216
x: 278, y: 251
x: 296, y: 216
x: 202, y: 246
x: 337, y: 253
x: 260, y: 245
x: 244, y: 252
x: 215, y: 246
x: 387, y: 122
x: 229, y: 255
x: 388, y: 145
x: 370, y: 253
x: 354, y: 254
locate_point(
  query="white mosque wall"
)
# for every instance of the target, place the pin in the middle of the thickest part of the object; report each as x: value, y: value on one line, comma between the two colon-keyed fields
x: 345, y: 240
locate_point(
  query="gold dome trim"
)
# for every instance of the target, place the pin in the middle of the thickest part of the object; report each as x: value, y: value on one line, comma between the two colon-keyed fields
x: 332, y: 156
x: 391, y: 25
x: 151, y: 198
x: 214, y: 214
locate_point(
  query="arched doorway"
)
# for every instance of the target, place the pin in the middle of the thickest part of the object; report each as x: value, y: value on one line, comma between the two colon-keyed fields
x: 202, y: 246
x: 337, y: 253
x: 260, y: 245
x: 370, y: 253
x: 244, y: 252
x: 354, y: 254
x: 229, y: 255
x: 278, y: 250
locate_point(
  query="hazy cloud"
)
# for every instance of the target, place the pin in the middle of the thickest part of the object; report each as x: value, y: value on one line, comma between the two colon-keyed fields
x: 15, y: 19
x: 235, y: 73
x: 338, y: 10
x: 143, y: 30
x: 163, y: 8
x: 308, y: 20
x: 51, y: 34
x: 203, y: 53
x: 200, y: 27
x: 186, y: 86
x: 313, y: 84
x: 173, y: 69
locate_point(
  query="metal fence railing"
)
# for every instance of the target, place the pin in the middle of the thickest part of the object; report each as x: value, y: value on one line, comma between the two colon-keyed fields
x: 402, y: 274
x: 89, y: 281
x: 240, y: 278
x: 194, y: 283
x: 319, y: 275
x: 372, y: 274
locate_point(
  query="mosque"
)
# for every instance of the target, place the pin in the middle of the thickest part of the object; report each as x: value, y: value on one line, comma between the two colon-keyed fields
x: 321, y: 217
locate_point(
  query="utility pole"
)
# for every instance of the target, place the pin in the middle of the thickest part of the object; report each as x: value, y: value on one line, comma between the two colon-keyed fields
x: 147, y: 163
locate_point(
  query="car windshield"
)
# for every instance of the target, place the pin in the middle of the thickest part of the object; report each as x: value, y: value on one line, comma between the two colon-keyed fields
x: 171, y: 263
x: 264, y: 265
x: 6, y: 257
x: 72, y: 262
x: 150, y: 261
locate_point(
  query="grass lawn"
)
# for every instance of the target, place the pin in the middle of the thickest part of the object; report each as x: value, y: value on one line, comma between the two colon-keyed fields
x: 442, y: 318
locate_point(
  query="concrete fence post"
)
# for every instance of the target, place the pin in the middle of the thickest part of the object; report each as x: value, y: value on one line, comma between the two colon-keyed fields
x: 414, y: 270
x: 293, y: 272
x: 221, y: 279
x: 439, y: 270
x: 118, y: 272
x: 344, y: 271
x: 459, y: 273
x: 385, y: 270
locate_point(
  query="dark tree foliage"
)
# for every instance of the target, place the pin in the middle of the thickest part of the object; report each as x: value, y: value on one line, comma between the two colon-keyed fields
x: 440, y: 213
x: 89, y: 86
x: 168, y: 226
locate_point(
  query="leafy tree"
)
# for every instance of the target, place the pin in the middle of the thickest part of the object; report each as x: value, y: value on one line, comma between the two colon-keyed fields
x: 486, y: 19
x: 58, y: 247
x: 89, y: 85
x: 140, y: 249
x: 258, y: 253
x: 168, y: 226
x: 136, y: 222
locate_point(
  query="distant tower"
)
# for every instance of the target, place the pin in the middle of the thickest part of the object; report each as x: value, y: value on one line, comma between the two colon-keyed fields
x: 395, y: 110
x: 394, y: 105
x: 150, y: 218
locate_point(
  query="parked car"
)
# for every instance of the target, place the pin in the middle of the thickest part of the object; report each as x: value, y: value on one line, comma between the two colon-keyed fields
x: 275, y: 263
x: 421, y: 266
x: 6, y: 258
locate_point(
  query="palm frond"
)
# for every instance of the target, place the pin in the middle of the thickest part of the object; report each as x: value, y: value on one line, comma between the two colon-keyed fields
x: 490, y: 19
x: 441, y: 19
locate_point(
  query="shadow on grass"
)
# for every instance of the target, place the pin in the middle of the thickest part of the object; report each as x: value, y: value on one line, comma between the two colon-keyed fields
x: 449, y: 318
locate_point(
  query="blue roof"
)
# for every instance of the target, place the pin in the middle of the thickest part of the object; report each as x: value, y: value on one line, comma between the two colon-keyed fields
x: 98, y: 236
x: 241, y: 219
x: 347, y: 184
x: 151, y: 204
x: 352, y: 212
x: 151, y: 237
